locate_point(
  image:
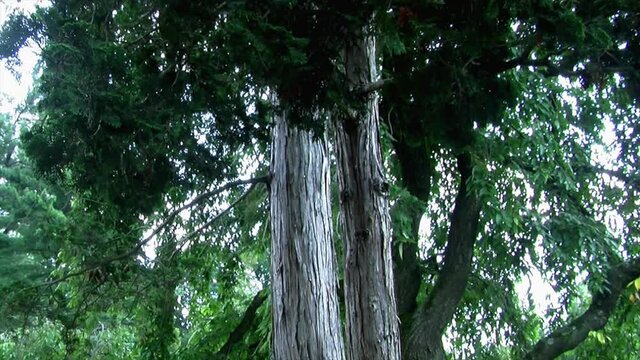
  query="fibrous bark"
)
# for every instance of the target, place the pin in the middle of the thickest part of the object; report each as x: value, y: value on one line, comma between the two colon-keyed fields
x: 306, y: 323
x: 372, y: 322
x: 425, y: 339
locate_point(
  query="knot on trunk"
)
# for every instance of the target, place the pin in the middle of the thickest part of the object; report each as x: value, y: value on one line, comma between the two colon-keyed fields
x: 346, y: 194
x: 362, y: 235
x: 381, y: 187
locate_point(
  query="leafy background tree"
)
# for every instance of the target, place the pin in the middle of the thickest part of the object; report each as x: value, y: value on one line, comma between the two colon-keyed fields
x: 511, y: 125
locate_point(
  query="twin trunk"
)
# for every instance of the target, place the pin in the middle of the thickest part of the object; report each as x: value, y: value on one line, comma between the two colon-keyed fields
x: 305, y: 307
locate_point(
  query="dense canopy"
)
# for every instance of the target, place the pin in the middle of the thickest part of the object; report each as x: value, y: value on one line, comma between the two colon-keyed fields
x: 323, y: 179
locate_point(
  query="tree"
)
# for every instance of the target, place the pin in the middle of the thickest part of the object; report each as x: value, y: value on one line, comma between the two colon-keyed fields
x: 304, y: 295
x: 372, y: 328
x: 32, y: 214
x: 493, y: 117
x: 480, y: 93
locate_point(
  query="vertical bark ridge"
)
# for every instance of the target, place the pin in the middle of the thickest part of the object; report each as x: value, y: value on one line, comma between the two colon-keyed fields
x: 306, y: 323
x: 372, y: 323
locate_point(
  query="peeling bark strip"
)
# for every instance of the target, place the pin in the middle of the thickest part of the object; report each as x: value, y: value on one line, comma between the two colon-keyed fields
x: 305, y: 313
x: 595, y: 318
x: 425, y: 338
x: 372, y: 323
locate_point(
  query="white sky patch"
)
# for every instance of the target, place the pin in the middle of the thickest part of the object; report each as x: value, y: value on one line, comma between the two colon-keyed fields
x: 534, y: 285
x: 13, y: 91
x: 603, y: 154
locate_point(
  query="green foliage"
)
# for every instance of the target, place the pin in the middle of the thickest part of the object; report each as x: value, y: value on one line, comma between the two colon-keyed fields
x: 31, y: 224
x: 615, y: 341
x: 142, y: 106
x: 43, y: 341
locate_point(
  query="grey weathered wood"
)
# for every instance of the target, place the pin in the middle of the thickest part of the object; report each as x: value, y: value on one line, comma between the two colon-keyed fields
x: 372, y: 323
x: 306, y: 322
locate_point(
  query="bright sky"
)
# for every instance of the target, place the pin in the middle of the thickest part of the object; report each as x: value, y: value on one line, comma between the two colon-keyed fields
x: 14, y: 91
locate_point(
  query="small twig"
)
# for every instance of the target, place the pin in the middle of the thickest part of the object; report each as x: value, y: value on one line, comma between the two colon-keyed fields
x: 165, y: 223
x: 215, y: 218
x: 142, y: 37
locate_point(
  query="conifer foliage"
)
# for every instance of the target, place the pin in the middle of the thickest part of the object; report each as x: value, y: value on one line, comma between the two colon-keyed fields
x: 173, y: 198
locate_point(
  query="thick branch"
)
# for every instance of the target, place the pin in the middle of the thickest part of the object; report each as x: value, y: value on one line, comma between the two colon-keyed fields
x: 564, y: 68
x: 425, y: 340
x: 8, y: 160
x: 595, y: 318
x: 244, y: 326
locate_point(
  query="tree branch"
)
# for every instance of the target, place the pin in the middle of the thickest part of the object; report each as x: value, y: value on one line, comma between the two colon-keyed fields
x: 8, y: 162
x: 215, y: 218
x: 595, y: 318
x: 244, y: 326
x: 437, y: 311
x: 614, y: 65
x: 164, y: 224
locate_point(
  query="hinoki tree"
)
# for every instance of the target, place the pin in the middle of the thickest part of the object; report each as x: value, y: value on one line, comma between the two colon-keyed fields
x: 511, y: 125
x: 306, y: 322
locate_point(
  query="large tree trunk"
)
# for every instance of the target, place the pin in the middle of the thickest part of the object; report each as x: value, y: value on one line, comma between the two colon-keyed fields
x: 306, y: 322
x: 425, y: 339
x: 372, y: 322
